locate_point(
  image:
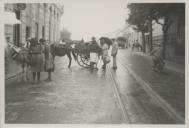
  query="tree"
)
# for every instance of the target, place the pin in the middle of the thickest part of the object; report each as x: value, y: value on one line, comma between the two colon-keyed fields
x: 137, y: 18
x: 65, y: 35
x: 147, y: 12
x: 164, y: 11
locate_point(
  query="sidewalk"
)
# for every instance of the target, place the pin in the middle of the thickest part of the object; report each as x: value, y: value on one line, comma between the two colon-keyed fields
x: 168, y: 85
x: 169, y: 65
x: 177, y: 68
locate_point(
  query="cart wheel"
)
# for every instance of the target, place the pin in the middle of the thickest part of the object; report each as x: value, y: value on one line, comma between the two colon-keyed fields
x: 83, y: 60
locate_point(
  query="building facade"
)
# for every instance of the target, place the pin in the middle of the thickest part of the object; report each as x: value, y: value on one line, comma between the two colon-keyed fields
x: 40, y: 20
x: 132, y: 36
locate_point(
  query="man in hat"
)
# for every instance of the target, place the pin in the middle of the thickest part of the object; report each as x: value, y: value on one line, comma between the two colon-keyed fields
x: 95, y: 50
x: 114, y: 53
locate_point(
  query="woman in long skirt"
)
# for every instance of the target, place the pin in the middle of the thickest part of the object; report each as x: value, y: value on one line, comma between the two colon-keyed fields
x: 37, y: 59
x: 105, y: 55
x: 49, y: 63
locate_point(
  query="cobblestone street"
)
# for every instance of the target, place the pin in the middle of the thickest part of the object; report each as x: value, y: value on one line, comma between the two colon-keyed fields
x: 77, y: 95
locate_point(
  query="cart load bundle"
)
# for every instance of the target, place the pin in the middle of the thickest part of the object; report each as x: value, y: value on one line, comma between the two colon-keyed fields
x: 94, y: 47
x: 82, y: 48
x: 19, y: 54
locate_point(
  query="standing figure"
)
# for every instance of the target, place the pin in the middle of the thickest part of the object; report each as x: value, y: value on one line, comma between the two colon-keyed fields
x: 95, y: 51
x: 49, y: 63
x: 105, y: 55
x: 42, y: 43
x: 114, y: 53
x: 37, y: 59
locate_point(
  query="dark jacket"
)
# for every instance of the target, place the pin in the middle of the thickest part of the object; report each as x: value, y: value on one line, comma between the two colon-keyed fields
x: 94, y: 47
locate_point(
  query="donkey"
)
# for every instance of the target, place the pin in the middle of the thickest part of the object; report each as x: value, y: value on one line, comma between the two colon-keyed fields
x: 22, y: 57
x: 62, y: 50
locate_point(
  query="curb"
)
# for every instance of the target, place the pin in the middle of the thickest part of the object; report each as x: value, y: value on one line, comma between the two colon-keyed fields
x: 166, y: 106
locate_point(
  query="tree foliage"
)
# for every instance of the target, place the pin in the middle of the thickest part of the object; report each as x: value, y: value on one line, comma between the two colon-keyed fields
x: 65, y: 35
x: 137, y: 17
x: 142, y: 13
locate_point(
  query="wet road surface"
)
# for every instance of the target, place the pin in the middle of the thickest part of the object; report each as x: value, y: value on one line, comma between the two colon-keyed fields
x: 169, y: 85
x: 74, y: 96
x: 77, y: 95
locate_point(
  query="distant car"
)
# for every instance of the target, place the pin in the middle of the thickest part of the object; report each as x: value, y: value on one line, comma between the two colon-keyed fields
x: 121, y: 42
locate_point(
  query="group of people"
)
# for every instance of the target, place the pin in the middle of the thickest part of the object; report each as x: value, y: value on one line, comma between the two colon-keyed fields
x: 41, y: 59
x: 96, y: 50
x: 136, y: 45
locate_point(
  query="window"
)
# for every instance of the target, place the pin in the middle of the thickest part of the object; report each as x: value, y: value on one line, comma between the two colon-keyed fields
x: 43, y: 32
x: 36, y: 30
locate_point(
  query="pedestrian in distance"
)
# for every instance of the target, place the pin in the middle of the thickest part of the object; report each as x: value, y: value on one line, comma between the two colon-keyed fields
x: 138, y: 46
x: 37, y: 60
x: 114, y: 53
x: 133, y: 45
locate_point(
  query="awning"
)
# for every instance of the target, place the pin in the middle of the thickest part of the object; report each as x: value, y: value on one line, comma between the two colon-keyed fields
x: 10, y: 18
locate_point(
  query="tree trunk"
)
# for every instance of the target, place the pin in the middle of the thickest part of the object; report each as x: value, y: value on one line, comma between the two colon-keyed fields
x: 143, y: 43
x: 150, y: 35
x: 165, y: 27
x: 164, y: 43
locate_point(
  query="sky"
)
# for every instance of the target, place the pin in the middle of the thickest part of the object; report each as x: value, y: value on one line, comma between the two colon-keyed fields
x: 87, y: 18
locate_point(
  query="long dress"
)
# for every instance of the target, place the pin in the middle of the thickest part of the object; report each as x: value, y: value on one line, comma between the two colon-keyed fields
x: 37, y: 57
x: 105, y: 54
x: 114, y: 53
x: 49, y: 63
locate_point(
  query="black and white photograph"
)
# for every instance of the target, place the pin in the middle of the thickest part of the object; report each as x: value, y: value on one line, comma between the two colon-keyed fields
x: 94, y: 62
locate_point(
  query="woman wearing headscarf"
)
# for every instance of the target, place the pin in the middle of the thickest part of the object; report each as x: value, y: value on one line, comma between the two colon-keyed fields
x: 114, y: 53
x: 37, y: 59
x: 105, y: 55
